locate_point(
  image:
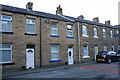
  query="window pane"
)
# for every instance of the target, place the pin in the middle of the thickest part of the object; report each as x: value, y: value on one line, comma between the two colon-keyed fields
x: 6, y: 56
x: 69, y: 33
x: 6, y: 26
x: 85, y: 51
x: 69, y: 26
x: 54, y: 48
x: 30, y: 28
x: 84, y: 30
x: 54, y: 56
x: 5, y: 46
x: 4, y: 17
x: 54, y: 25
x: 54, y: 31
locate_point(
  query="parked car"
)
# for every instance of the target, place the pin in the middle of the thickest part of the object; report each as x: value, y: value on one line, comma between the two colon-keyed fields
x: 108, y: 57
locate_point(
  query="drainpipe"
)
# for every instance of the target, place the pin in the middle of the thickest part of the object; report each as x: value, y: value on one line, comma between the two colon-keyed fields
x: 79, y: 42
x: 40, y: 42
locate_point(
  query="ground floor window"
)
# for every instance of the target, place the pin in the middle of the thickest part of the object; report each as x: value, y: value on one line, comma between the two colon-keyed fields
x: 54, y: 52
x: 6, y: 53
x: 105, y: 48
x: 85, y: 51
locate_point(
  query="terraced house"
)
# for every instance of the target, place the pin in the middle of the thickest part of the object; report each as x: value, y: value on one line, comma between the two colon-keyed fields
x: 33, y: 39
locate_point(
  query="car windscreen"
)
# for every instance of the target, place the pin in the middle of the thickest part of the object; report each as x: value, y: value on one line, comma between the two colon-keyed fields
x: 102, y: 53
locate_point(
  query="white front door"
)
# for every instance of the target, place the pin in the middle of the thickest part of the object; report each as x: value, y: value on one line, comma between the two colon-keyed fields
x: 70, y: 56
x: 29, y: 58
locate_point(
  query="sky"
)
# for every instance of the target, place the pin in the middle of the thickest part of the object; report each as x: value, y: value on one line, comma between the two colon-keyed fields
x: 104, y: 9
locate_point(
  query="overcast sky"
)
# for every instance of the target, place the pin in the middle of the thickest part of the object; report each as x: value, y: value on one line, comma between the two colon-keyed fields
x: 104, y: 9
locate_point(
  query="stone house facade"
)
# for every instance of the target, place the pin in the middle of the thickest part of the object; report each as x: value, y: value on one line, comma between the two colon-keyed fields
x: 33, y: 39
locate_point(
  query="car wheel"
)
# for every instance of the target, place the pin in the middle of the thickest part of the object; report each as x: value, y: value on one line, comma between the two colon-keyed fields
x: 109, y: 61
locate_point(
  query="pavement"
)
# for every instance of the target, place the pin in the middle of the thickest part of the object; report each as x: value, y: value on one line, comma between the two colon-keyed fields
x: 9, y: 74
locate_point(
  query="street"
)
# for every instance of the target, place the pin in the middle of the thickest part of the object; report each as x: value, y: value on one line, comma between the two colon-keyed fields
x: 96, y: 70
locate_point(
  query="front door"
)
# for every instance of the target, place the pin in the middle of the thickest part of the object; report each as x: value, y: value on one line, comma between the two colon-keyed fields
x: 70, y: 56
x: 29, y: 58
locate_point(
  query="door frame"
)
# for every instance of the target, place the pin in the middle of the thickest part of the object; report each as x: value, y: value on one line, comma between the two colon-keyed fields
x: 33, y: 57
x: 71, y: 49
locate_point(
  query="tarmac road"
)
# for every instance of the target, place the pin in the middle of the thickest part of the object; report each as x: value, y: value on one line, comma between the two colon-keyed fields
x: 96, y: 70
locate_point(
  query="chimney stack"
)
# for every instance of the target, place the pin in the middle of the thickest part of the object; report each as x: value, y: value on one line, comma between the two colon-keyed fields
x: 107, y: 22
x: 29, y: 6
x: 80, y: 17
x: 96, y: 19
x: 59, y: 10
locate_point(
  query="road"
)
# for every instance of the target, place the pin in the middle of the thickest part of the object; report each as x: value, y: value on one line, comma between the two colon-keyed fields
x: 96, y: 70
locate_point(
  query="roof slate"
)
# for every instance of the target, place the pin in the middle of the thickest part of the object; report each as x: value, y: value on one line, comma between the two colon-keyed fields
x: 52, y: 16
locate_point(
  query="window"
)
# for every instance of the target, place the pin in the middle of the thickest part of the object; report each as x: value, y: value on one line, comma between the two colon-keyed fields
x: 6, y: 53
x: 96, y: 50
x: 117, y: 32
x: 111, y: 34
x: 30, y: 29
x: 95, y: 33
x: 54, y: 28
x: 104, y: 33
x: 6, y: 23
x: 85, y: 52
x: 105, y: 48
x: 84, y: 31
x: 54, y: 52
x: 69, y: 30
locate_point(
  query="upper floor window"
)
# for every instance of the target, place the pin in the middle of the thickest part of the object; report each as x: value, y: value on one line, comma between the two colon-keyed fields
x: 95, y: 33
x: 54, y: 52
x: 6, y: 22
x: 6, y: 53
x: 69, y: 30
x: 117, y: 32
x: 54, y: 28
x: 111, y: 34
x: 104, y: 33
x: 30, y: 26
x: 84, y: 31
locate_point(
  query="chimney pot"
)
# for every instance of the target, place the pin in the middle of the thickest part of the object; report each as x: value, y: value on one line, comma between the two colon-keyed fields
x: 107, y: 22
x: 29, y: 6
x: 96, y: 19
x: 80, y: 17
x: 59, y: 10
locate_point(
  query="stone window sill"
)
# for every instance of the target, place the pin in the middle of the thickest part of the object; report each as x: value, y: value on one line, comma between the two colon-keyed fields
x: 86, y: 56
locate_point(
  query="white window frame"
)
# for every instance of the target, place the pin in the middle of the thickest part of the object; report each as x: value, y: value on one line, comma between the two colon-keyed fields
x: 69, y: 30
x: 55, y: 52
x: 54, y: 28
x: 6, y: 20
x: 32, y: 22
x: 84, y: 31
x: 95, y: 33
x: 6, y: 49
x: 104, y: 33
x: 111, y: 34
x: 86, y: 56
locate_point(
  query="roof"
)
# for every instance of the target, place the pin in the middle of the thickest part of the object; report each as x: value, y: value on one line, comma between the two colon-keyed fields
x: 32, y: 12
x: 52, y: 16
